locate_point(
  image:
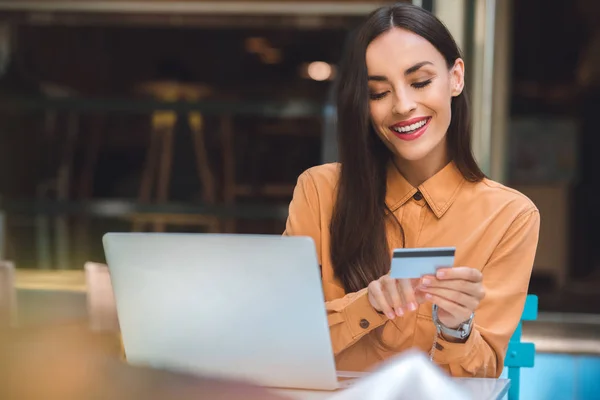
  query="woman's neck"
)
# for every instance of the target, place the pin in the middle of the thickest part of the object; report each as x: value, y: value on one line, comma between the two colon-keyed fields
x: 417, y: 172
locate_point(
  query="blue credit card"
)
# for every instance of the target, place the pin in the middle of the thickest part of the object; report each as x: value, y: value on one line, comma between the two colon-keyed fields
x: 414, y: 263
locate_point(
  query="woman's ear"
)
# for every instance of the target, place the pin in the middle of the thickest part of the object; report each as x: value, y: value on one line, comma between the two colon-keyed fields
x: 457, y: 77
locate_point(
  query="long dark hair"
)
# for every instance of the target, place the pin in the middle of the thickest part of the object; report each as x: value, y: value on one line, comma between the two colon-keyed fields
x: 359, y: 247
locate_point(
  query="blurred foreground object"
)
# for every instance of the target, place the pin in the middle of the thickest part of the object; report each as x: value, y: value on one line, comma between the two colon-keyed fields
x: 100, y: 299
x: 408, y: 376
x: 68, y: 362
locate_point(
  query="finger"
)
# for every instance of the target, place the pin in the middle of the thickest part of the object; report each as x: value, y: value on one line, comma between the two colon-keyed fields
x: 470, y: 288
x: 393, y: 294
x: 414, y: 282
x: 464, y: 273
x: 408, y: 294
x: 419, y: 296
x: 464, y: 300
x: 457, y: 311
x: 375, y: 289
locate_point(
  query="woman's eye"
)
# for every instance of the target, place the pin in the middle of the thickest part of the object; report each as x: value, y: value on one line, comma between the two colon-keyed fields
x: 377, y: 96
x: 421, y: 85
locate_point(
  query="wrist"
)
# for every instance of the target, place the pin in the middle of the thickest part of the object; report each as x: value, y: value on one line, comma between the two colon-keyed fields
x: 455, y: 334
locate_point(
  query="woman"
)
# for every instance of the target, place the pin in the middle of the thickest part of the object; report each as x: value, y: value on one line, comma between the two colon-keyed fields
x: 407, y: 178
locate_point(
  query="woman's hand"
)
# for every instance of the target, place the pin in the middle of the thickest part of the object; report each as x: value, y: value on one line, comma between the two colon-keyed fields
x: 394, y: 297
x: 456, y: 291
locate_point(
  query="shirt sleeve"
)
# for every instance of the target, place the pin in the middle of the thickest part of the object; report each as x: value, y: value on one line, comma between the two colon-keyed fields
x: 350, y: 317
x: 506, y: 280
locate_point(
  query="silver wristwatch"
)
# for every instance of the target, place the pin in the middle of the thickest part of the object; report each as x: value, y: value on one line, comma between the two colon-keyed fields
x: 462, y: 332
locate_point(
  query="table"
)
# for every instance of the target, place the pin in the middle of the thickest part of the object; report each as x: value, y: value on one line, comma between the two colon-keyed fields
x: 62, y: 287
x: 485, y: 388
x: 49, y: 297
x: 478, y: 388
x: 66, y: 362
x: 59, y: 296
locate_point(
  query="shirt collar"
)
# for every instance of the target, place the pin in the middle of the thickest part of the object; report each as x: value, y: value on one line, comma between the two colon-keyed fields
x: 439, y: 191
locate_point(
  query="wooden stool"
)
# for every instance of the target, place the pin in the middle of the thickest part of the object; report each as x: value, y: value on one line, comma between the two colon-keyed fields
x: 160, y: 154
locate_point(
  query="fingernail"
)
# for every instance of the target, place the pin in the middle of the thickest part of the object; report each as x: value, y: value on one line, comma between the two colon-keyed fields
x: 412, y: 306
x: 391, y: 316
x: 399, y: 312
x: 428, y: 296
x: 441, y: 274
x: 426, y: 282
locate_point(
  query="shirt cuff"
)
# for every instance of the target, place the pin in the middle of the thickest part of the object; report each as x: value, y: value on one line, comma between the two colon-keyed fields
x: 361, y: 317
x: 454, y: 353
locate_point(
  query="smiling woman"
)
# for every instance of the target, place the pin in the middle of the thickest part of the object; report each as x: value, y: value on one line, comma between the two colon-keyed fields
x: 407, y: 178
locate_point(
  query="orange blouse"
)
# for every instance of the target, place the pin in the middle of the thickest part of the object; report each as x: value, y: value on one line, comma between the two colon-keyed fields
x: 494, y: 229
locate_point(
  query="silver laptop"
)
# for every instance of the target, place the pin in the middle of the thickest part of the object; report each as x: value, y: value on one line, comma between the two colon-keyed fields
x: 245, y: 307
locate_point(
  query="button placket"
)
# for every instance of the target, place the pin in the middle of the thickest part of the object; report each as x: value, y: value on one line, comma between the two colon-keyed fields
x: 412, y: 219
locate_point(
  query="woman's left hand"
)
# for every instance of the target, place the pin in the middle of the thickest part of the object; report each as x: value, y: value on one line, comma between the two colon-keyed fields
x: 456, y: 291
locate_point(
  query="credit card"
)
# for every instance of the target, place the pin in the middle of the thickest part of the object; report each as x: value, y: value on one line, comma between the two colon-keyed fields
x: 414, y: 263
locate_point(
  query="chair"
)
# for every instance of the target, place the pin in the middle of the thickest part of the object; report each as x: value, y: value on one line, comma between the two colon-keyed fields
x: 7, y: 294
x: 102, y: 311
x: 157, y: 169
x: 520, y: 355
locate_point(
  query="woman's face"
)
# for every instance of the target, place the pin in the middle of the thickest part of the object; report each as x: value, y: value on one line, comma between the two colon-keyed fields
x: 411, y: 89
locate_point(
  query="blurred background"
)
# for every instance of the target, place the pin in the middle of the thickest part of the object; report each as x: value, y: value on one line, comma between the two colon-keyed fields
x: 198, y: 116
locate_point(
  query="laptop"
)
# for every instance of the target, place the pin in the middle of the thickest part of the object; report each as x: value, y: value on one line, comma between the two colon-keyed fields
x: 243, y: 307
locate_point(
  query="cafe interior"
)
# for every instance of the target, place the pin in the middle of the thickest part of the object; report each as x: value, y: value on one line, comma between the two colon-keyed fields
x: 198, y: 116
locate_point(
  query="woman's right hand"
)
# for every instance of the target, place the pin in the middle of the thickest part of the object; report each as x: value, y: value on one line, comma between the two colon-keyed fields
x: 394, y: 297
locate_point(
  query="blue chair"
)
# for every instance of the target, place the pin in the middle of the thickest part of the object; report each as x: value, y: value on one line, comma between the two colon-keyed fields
x: 520, y: 355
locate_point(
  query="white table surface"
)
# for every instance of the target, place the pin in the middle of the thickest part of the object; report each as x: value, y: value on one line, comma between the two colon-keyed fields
x: 478, y: 388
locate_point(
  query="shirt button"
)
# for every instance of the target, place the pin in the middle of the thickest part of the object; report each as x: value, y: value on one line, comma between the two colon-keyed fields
x: 364, y: 323
x: 418, y: 196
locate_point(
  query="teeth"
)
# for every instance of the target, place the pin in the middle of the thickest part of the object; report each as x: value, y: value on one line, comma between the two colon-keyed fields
x: 410, y: 128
